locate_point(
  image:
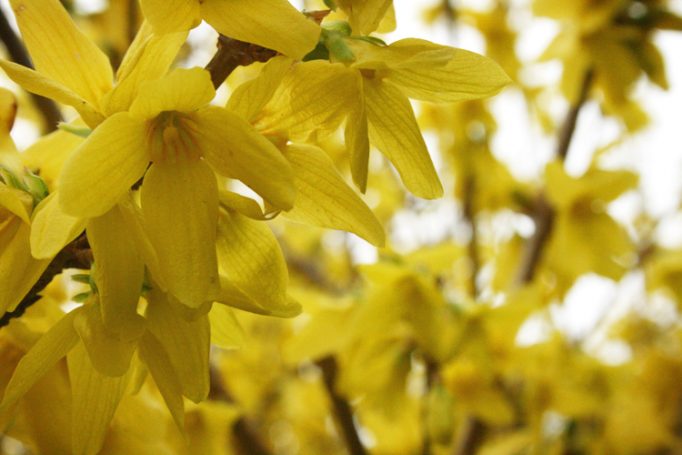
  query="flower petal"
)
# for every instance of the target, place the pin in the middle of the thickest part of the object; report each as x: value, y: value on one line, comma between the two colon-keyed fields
x: 180, y: 212
x: 119, y: 273
x: 48, y: 350
x: 37, y: 83
x: 393, y: 130
x: 324, y: 199
x: 357, y: 140
x: 236, y: 150
x: 104, y: 167
x: 252, y: 261
x: 274, y: 24
x: 182, y: 90
x: 95, y: 398
x: 52, y: 229
x: 168, y: 16
x: 148, y: 58
x: 108, y: 354
x: 187, y: 343
x: 61, y: 51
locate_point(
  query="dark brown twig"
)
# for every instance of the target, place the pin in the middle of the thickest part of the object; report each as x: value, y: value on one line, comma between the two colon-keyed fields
x: 17, y: 52
x: 232, y: 54
x: 343, y: 412
x: 544, y: 216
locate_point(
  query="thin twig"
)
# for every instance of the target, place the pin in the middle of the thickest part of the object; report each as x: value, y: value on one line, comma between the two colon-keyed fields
x: 17, y: 52
x: 343, y: 412
x: 544, y: 216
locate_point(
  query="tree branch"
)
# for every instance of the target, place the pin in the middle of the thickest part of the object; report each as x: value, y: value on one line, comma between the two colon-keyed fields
x: 17, y: 52
x: 343, y: 412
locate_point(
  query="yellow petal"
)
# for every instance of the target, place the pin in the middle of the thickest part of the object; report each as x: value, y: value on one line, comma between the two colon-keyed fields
x: 357, y: 140
x: 104, y: 167
x: 242, y: 204
x: 226, y: 333
x: 446, y: 74
x: 251, y: 97
x: 61, y: 51
x: 95, y: 398
x: 237, y: 151
x: 149, y: 58
x: 48, y: 350
x: 365, y: 15
x: 393, y: 130
x: 108, y: 354
x: 313, y: 101
x: 252, y: 261
x: 11, y: 199
x: 232, y: 296
x: 183, y: 90
x: 156, y: 358
x: 180, y: 211
x: 19, y: 271
x: 274, y: 24
x: 186, y: 342
x: 52, y: 229
x: 47, y: 155
x: 324, y: 199
x: 119, y: 273
x: 37, y: 83
x: 168, y: 16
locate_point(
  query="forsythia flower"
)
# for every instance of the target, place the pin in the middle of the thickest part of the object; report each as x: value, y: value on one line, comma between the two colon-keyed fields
x: 171, y: 125
x: 274, y: 24
x: 371, y: 88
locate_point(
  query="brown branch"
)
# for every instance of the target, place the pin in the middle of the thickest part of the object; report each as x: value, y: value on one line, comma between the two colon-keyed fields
x: 544, y: 220
x: 17, y: 52
x: 343, y: 412
x: 232, y: 54
x: 544, y: 215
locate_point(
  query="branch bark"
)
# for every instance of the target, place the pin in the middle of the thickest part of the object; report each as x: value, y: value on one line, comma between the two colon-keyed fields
x: 232, y: 54
x: 17, y: 52
x: 343, y: 412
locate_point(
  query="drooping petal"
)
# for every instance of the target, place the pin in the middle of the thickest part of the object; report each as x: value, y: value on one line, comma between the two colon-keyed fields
x: 182, y: 90
x: 156, y: 358
x: 357, y: 140
x: 251, y: 97
x: 274, y: 24
x: 186, y: 342
x: 19, y: 271
x: 108, y: 354
x: 104, y: 167
x: 52, y: 229
x: 94, y: 399
x: 232, y: 296
x: 47, y: 155
x: 236, y: 150
x: 180, y: 212
x: 61, y: 51
x: 149, y: 58
x: 48, y: 350
x: 15, y: 201
x: 324, y: 199
x: 39, y: 84
x: 252, y: 261
x: 119, y: 273
x: 168, y: 16
x: 394, y: 131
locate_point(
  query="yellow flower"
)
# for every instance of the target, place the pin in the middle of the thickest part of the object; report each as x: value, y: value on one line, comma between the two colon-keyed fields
x: 371, y: 91
x: 171, y: 125
x: 274, y: 24
x: 72, y: 70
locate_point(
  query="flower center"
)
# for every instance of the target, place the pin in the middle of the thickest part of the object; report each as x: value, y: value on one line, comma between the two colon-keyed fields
x: 172, y: 138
